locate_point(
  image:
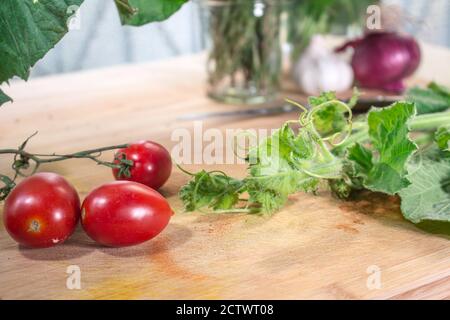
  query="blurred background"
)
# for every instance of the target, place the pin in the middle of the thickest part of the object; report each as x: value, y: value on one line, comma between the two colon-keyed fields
x: 99, y: 40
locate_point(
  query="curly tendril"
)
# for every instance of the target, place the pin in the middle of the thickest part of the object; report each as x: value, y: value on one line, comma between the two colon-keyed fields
x: 307, y: 118
x: 332, y: 138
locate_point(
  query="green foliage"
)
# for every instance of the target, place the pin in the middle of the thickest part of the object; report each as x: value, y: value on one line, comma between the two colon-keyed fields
x: 4, y: 98
x: 388, y: 131
x: 362, y: 159
x: 140, y: 12
x: 211, y: 189
x: 442, y: 138
x: 282, y: 164
x: 378, y: 155
x: 29, y: 29
x: 382, y: 167
x: 434, y: 98
x: 428, y: 195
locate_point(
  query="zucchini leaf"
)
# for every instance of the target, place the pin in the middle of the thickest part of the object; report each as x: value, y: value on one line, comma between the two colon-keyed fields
x: 434, y: 98
x: 210, y: 189
x: 4, y: 98
x: 286, y: 163
x: 428, y: 195
x: 140, y: 12
x: 442, y: 138
x: 273, y: 176
x: 29, y: 29
x: 362, y: 159
x: 383, y: 169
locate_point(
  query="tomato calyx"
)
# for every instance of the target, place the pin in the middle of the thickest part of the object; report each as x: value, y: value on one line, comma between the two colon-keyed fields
x: 124, y: 165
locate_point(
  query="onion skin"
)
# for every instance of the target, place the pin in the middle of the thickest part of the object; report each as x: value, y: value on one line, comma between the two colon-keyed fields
x: 381, y: 60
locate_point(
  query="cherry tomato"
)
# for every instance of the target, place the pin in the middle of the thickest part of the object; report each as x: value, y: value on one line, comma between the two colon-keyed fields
x: 42, y: 211
x: 124, y: 213
x: 152, y: 164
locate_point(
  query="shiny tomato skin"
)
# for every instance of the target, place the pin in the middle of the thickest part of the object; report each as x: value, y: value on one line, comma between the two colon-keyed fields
x: 124, y: 213
x: 43, y: 210
x: 152, y: 164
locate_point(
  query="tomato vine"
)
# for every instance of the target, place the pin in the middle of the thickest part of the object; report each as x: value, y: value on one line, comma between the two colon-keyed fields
x: 26, y: 163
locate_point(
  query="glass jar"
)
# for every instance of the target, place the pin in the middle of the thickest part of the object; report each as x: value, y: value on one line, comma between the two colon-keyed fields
x: 244, y: 57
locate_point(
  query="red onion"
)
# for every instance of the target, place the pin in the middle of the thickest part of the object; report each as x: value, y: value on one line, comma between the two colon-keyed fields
x: 383, y: 59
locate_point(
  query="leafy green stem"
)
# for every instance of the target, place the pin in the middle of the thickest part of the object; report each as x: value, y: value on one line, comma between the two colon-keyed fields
x: 360, y: 136
x: 426, y: 122
x: 430, y: 121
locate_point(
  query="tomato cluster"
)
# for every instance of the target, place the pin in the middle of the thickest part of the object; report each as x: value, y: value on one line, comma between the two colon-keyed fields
x: 44, y: 209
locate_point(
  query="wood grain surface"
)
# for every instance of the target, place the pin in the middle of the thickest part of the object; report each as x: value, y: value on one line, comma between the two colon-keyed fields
x: 317, y: 247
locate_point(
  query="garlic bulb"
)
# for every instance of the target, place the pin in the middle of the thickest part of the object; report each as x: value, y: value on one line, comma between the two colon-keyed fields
x: 319, y: 69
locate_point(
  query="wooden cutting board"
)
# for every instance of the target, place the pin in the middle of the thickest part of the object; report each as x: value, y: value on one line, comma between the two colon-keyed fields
x: 316, y: 247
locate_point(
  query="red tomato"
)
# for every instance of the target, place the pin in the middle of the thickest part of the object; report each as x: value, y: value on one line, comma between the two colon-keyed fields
x: 41, y: 211
x: 124, y: 213
x: 152, y: 164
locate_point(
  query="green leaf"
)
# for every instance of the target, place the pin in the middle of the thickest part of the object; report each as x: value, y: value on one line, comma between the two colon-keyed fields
x: 384, y: 178
x: 434, y: 98
x: 269, y: 200
x: 271, y: 191
x: 428, y: 195
x: 273, y: 176
x: 4, y: 98
x: 210, y: 189
x: 140, y: 12
x: 226, y: 201
x: 356, y: 166
x: 29, y: 29
x: 388, y: 130
x: 383, y: 169
x: 362, y: 158
x: 272, y: 155
x: 322, y: 98
x: 438, y: 88
x: 442, y: 138
x: 286, y: 164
